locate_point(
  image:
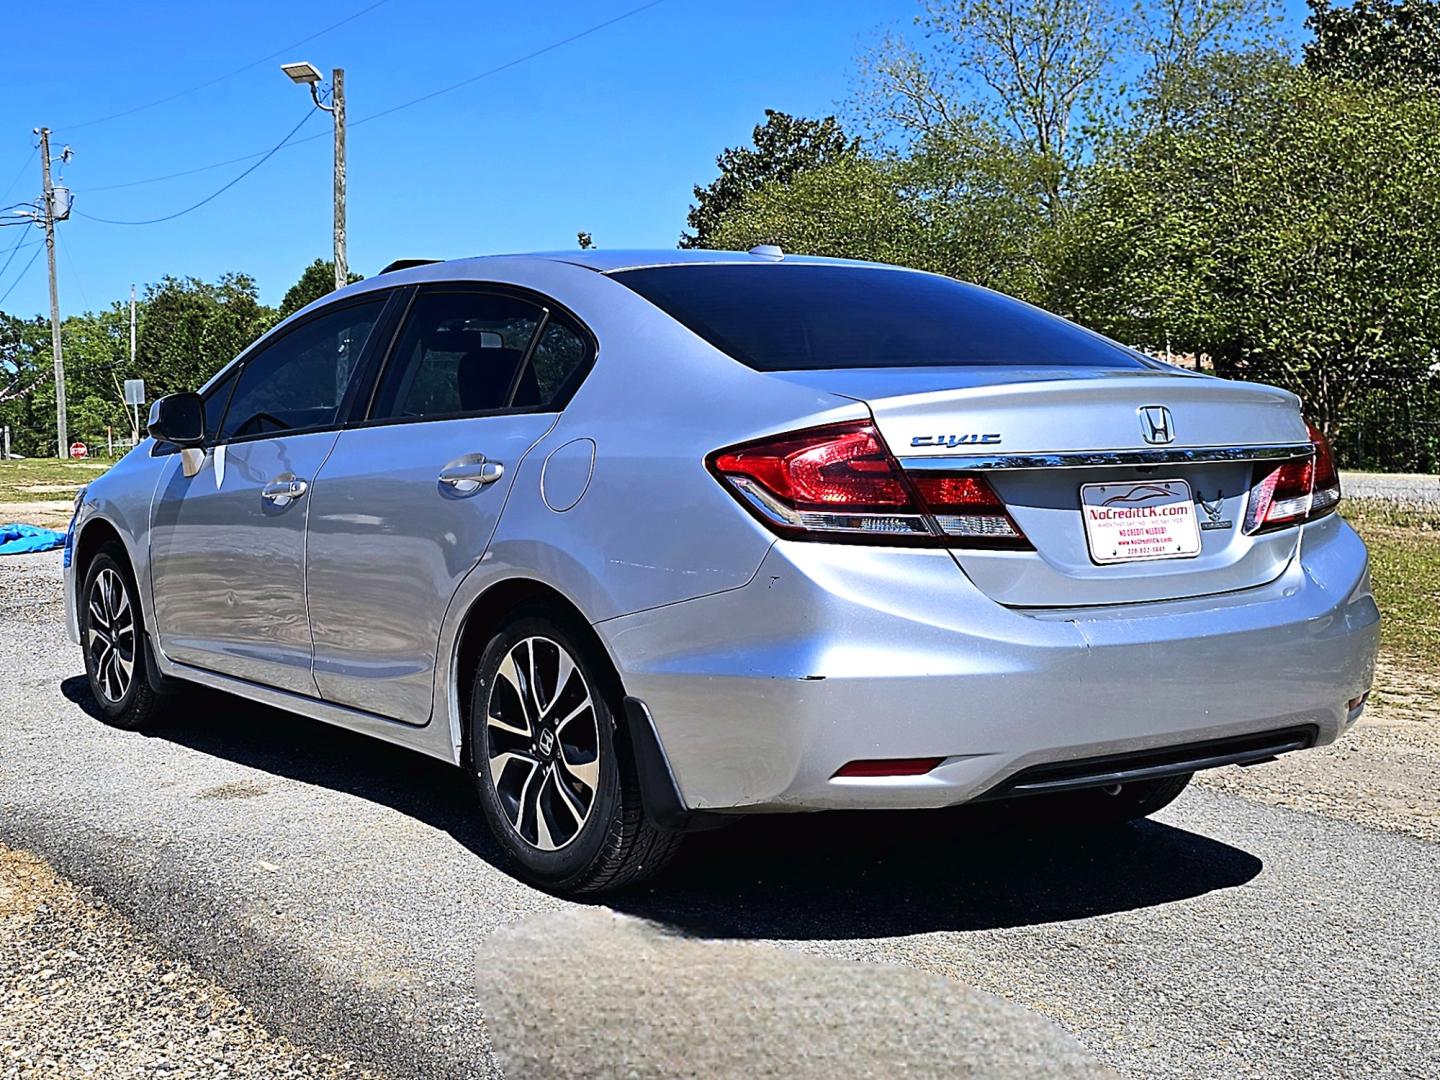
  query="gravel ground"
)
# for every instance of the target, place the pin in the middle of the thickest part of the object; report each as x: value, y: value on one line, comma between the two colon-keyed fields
x: 52, y: 513
x: 1411, y: 488
x: 343, y: 891
x: 83, y: 993
x: 1383, y: 773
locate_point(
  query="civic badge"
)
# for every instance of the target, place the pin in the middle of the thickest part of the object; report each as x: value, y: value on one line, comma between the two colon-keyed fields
x: 1155, y: 425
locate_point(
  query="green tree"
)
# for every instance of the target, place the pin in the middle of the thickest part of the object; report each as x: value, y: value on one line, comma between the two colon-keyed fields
x: 953, y: 210
x: 1043, y: 79
x: 97, y: 363
x: 1288, y: 226
x: 784, y: 146
x: 1386, y: 41
x: 25, y: 364
x: 1024, y: 70
x: 189, y: 329
x: 318, y: 280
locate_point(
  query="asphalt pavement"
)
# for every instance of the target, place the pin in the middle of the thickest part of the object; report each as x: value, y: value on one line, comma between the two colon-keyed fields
x: 346, y: 893
x: 1409, y: 488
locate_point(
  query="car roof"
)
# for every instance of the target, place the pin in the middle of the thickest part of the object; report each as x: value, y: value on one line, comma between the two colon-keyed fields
x: 609, y: 261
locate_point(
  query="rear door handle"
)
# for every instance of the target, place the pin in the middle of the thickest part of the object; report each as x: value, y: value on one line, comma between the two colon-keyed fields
x: 470, y: 473
x: 284, y: 489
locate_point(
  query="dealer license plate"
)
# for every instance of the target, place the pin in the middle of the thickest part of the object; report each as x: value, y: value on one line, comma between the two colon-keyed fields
x: 1138, y: 521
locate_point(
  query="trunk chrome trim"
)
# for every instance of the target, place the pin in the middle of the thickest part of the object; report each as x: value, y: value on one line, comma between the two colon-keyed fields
x: 1099, y: 459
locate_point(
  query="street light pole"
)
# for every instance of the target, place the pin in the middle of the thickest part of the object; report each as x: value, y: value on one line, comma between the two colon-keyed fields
x: 304, y: 72
x: 48, y: 201
x: 337, y: 110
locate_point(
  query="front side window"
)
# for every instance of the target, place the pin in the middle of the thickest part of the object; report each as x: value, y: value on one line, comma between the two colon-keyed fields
x: 460, y: 352
x: 297, y: 383
x: 216, y: 398
x: 799, y: 317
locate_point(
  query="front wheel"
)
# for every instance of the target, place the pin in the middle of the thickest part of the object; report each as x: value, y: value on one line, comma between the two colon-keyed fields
x: 559, y: 794
x: 112, y: 633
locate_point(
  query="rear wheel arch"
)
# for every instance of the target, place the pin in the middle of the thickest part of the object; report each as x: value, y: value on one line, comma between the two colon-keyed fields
x: 489, y: 611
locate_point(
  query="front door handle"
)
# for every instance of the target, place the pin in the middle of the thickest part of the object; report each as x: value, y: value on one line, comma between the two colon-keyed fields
x: 470, y: 473
x: 284, y: 489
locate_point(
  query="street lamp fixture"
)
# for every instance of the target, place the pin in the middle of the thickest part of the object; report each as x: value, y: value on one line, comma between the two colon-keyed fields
x: 302, y: 71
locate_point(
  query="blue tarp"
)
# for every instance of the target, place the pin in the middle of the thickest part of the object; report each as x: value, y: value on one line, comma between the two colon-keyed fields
x: 20, y: 539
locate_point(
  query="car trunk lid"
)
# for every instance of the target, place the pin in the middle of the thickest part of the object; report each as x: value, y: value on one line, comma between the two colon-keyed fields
x: 1040, y: 436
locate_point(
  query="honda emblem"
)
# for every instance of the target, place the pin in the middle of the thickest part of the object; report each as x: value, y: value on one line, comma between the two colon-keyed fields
x: 1155, y: 425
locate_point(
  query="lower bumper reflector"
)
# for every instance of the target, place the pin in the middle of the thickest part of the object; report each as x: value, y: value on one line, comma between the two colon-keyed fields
x: 918, y: 766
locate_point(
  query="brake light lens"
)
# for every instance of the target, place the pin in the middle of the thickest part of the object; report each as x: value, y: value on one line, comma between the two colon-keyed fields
x: 1295, y: 491
x: 1327, y: 475
x: 967, y: 507
x: 840, y: 482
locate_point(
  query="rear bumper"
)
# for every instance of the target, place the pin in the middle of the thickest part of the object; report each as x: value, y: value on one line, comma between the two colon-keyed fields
x: 836, y: 653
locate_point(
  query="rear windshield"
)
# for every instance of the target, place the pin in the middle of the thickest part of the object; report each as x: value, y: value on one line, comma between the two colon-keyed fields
x: 804, y: 317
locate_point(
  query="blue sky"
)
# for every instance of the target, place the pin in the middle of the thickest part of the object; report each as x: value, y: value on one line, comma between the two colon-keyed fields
x: 606, y: 134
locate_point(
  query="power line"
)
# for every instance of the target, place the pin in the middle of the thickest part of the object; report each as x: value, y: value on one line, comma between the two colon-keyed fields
x: 22, y: 274
x: 11, y: 257
x: 213, y: 195
x: 509, y: 64
x: 596, y: 28
x: 23, y: 166
x: 221, y: 78
x: 184, y: 172
x: 71, y: 268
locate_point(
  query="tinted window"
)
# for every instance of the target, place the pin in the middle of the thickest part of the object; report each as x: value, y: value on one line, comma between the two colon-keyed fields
x: 296, y: 384
x: 459, y: 353
x: 560, y: 354
x: 797, y: 317
x: 216, y: 398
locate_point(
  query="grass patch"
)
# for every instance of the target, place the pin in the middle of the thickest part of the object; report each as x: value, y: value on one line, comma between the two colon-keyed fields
x: 46, y: 479
x: 1404, y: 544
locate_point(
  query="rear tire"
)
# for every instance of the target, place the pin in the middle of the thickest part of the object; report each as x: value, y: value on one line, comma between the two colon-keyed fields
x: 113, y: 639
x: 1099, y: 808
x: 556, y: 781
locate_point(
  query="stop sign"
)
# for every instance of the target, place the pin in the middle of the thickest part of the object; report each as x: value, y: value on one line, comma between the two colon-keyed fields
x: 78, y: 449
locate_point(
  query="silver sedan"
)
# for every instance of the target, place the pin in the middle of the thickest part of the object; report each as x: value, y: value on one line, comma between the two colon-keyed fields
x: 646, y: 541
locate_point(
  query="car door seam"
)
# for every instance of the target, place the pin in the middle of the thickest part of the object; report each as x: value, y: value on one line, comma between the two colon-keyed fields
x: 305, y: 559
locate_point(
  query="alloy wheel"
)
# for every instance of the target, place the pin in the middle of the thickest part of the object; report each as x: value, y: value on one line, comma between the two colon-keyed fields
x: 110, y: 636
x: 543, y: 741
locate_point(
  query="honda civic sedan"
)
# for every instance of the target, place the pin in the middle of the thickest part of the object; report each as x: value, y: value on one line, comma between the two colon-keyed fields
x: 645, y: 542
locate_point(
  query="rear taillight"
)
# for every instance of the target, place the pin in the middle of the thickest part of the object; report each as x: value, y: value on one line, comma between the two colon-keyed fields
x: 841, y: 483
x: 966, y: 507
x: 1327, y: 476
x: 1295, y: 491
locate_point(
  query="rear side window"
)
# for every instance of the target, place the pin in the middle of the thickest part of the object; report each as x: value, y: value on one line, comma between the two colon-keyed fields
x: 459, y: 353
x: 560, y: 357
x: 800, y: 317
x: 296, y: 383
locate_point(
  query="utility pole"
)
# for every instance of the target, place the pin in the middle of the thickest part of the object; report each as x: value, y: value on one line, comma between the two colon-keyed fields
x: 48, y: 197
x: 135, y: 424
x: 302, y: 71
x: 337, y: 110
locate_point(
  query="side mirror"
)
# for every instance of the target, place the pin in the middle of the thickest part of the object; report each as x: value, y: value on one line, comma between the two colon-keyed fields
x: 178, y: 419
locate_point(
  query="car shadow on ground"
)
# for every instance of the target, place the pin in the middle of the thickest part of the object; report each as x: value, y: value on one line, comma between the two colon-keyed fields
x: 801, y: 876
